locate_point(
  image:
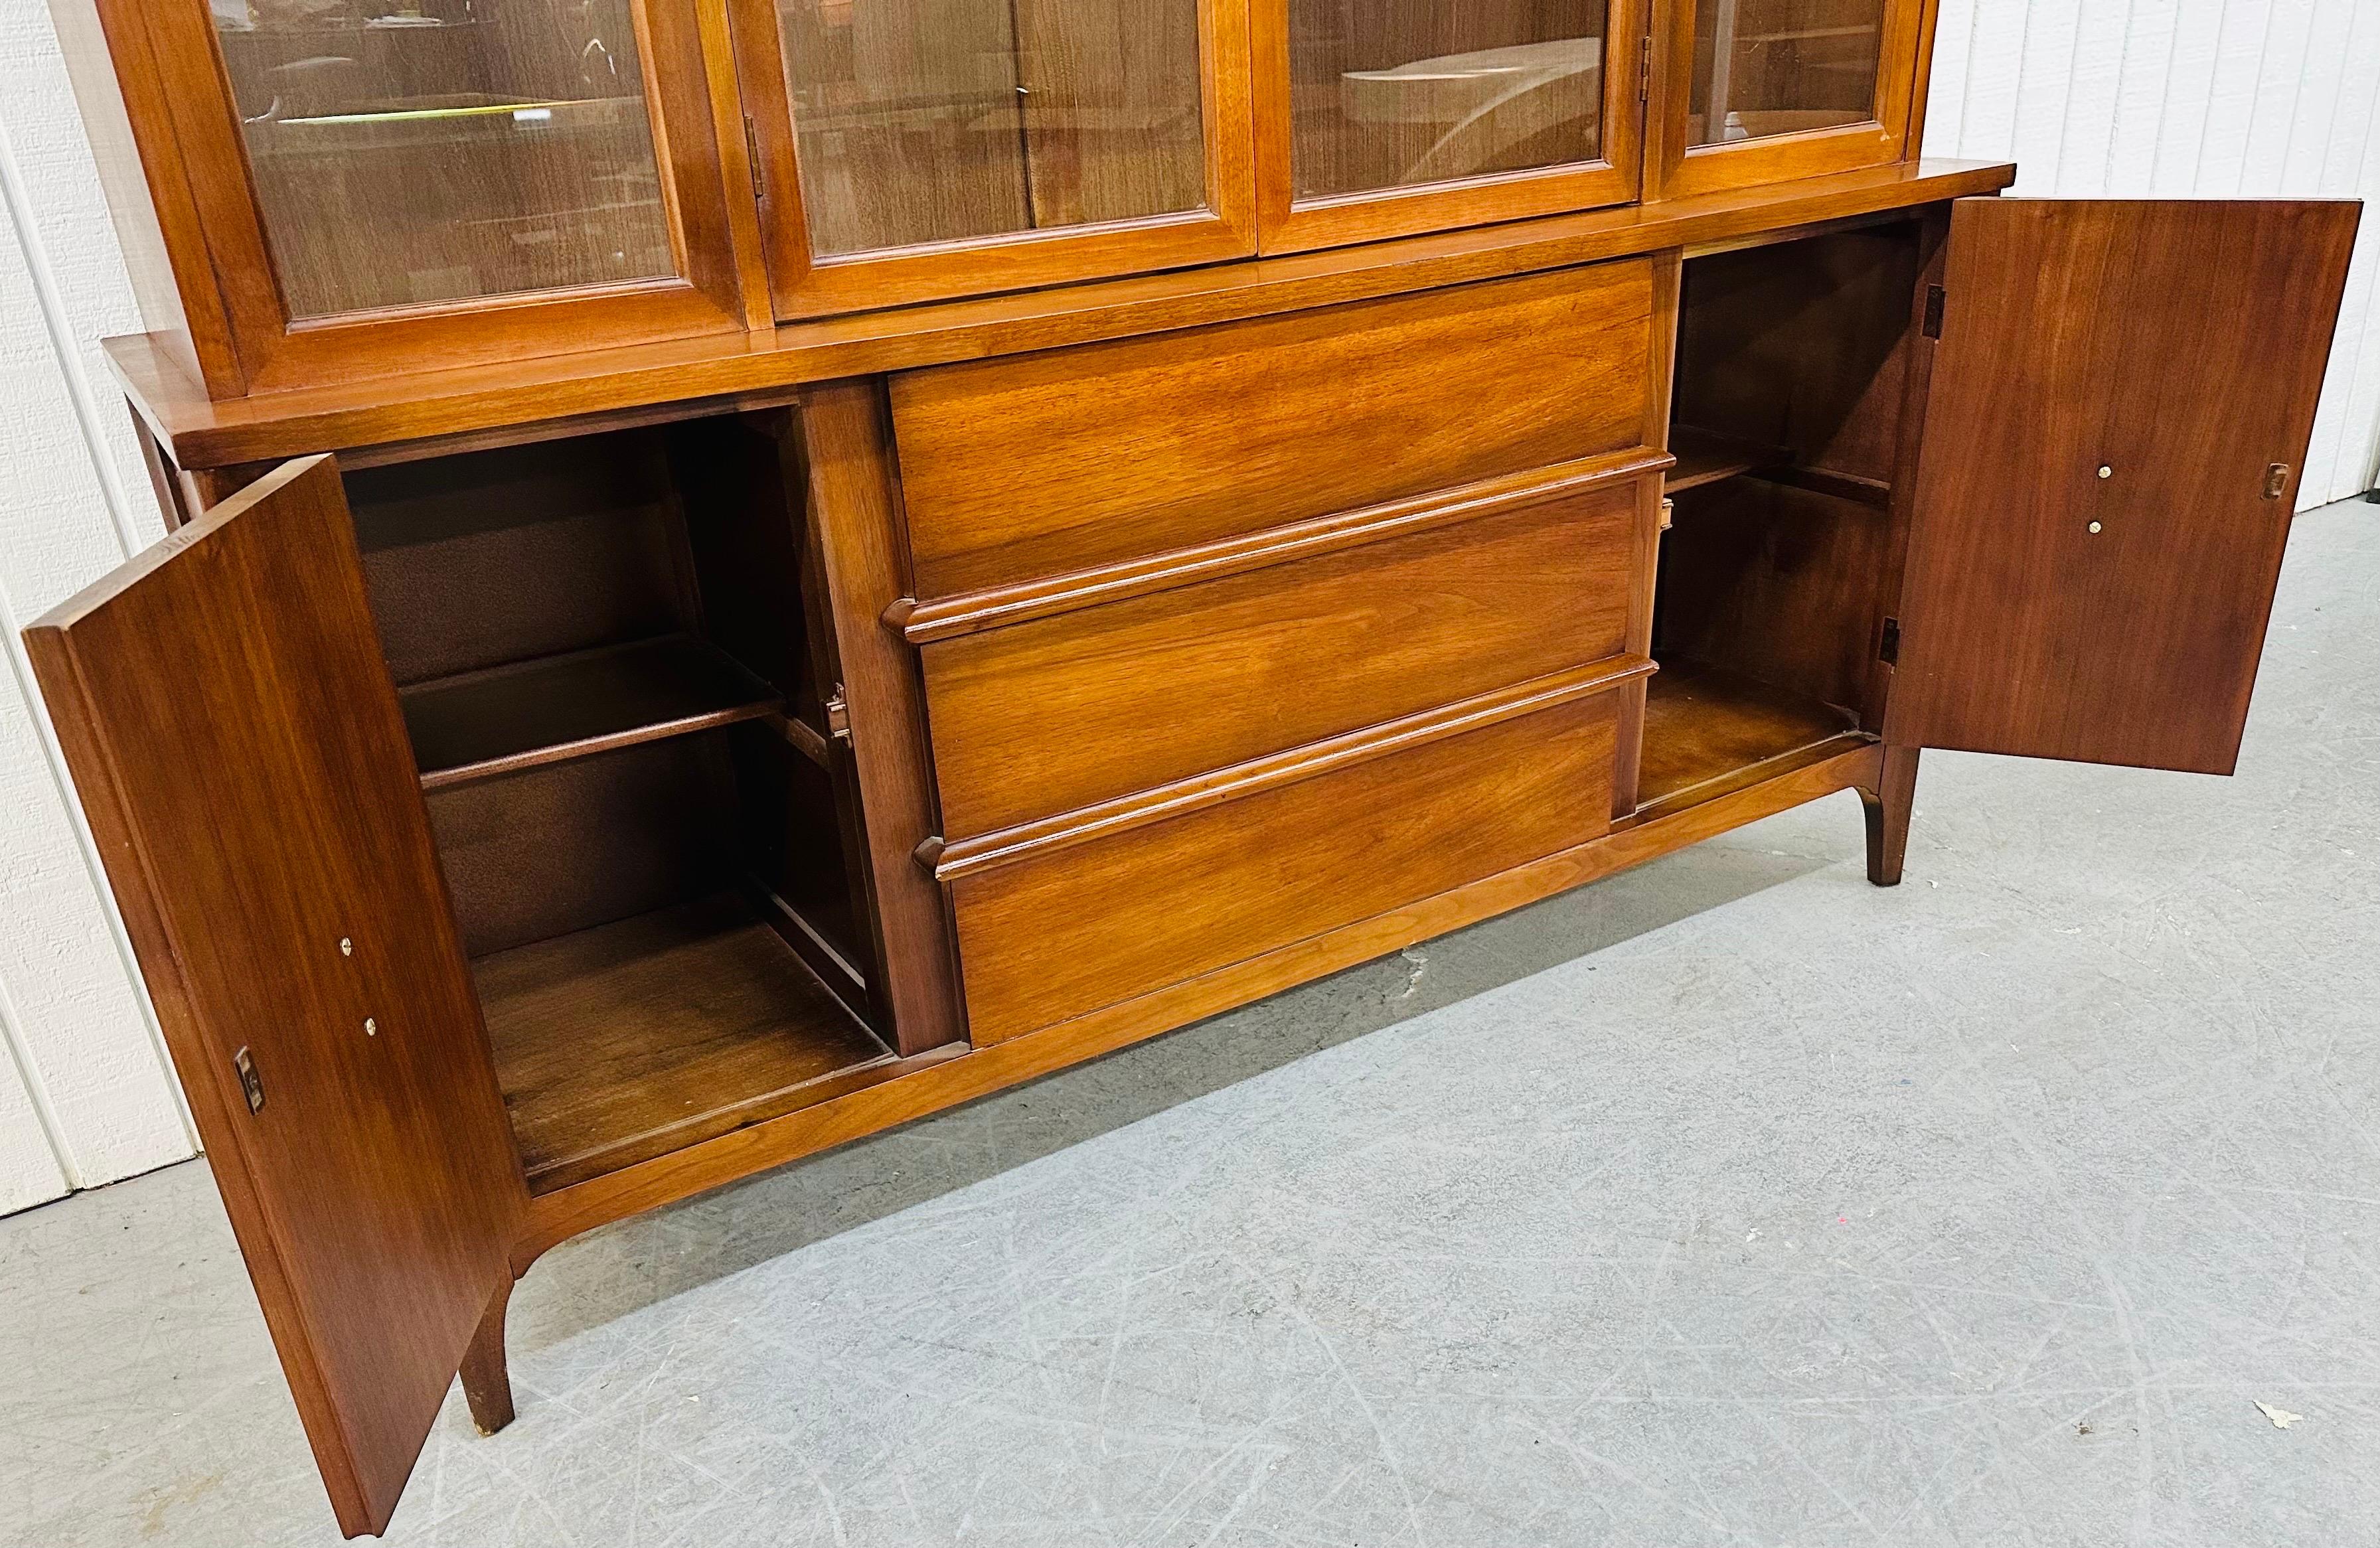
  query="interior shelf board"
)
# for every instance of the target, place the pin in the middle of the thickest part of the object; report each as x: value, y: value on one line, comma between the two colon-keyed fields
x: 1709, y: 731
x: 507, y: 719
x: 633, y: 1039
x: 1707, y: 456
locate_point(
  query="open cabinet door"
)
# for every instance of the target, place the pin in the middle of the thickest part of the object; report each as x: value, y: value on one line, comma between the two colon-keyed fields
x: 2118, y: 416
x: 237, y: 743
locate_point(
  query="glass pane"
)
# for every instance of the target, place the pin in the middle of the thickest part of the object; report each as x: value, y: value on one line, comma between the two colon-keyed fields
x: 1778, y: 67
x: 410, y: 151
x: 936, y: 120
x: 1386, y: 93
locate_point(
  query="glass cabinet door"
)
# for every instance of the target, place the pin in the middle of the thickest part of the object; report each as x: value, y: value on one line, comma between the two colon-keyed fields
x: 413, y: 151
x: 915, y: 149
x: 1379, y: 118
x: 1764, y: 90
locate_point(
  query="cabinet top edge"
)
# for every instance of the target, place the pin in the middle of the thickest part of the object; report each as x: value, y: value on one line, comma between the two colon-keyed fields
x: 393, y: 417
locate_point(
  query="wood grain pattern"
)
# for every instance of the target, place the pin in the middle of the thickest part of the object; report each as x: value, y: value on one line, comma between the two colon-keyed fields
x: 570, y: 845
x: 956, y: 859
x: 192, y: 122
x: 1053, y: 462
x: 557, y: 1217
x: 538, y: 397
x: 1044, y: 941
x: 222, y: 703
x: 1046, y: 596
x: 993, y: 170
x: 517, y: 717
x: 856, y: 518
x: 2023, y: 629
x: 1802, y: 345
x: 617, y: 1043
x: 1684, y: 159
x: 1708, y: 730
x: 1571, y: 141
x: 1043, y: 717
x: 1779, y: 583
x: 498, y: 556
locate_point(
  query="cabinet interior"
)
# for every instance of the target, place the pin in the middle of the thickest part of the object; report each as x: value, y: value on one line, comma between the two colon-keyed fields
x: 607, y: 671
x: 1775, y: 574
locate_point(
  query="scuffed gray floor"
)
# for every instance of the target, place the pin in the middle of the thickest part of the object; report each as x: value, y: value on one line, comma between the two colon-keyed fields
x: 1729, y: 1202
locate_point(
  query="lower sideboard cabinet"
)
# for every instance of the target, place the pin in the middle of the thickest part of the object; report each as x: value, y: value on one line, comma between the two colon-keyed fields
x: 518, y: 837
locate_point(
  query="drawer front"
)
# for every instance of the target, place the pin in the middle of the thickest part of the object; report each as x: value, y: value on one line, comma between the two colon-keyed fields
x: 1052, y: 935
x: 1042, y: 463
x: 1040, y: 717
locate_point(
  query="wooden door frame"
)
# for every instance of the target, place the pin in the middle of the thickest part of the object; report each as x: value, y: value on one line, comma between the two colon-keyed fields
x: 1673, y: 170
x: 803, y: 287
x: 1286, y: 224
x: 176, y: 99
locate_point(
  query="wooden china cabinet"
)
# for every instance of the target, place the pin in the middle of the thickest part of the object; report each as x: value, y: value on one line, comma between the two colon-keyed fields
x: 746, y: 571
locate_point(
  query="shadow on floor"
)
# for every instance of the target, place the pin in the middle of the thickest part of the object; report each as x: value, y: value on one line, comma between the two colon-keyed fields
x: 616, y: 1270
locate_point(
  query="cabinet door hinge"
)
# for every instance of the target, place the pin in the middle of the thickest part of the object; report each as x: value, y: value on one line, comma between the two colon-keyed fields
x: 1645, y: 70
x: 1934, y: 299
x: 1889, y: 649
x: 838, y: 715
x: 251, y: 1084
x: 752, y: 159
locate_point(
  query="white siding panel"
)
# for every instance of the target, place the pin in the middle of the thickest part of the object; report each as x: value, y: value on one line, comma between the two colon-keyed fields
x: 86, y: 1095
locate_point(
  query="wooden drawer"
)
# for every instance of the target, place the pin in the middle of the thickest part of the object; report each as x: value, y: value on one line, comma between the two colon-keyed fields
x: 1424, y: 605
x: 1039, y: 464
x: 1219, y: 877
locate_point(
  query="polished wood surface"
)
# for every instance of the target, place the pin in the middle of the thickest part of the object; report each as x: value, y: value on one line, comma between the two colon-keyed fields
x: 237, y: 743
x: 1052, y: 462
x: 569, y: 845
x: 941, y: 151
x: 533, y: 397
x: 557, y: 1217
x: 1708, y: 730
x: 2053, y: 611
x: 1065, y: 933
x: 1379, y: 121
x: 1075, y: 624
x: 516, y: 717
x: 1888, y: 806
x: 1707, y: 456
x: 505, y: 555
x: 1046, y: 596
x: 955, y: 859
x: 925, y: 123
x: 1391, y: 95
x: 617, y: 1043
x: 188, y: 122
x: 1765, y: 67
x: 856, y: 517
x: 458, y: 150
x: 1760, y: 92
x: 1044, y: 717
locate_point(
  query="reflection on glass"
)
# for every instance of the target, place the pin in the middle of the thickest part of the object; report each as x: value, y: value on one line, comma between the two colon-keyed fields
x: 413, y: 151
x: 1387, y: 93
x: 922, y: 121
x: 1778, y: 67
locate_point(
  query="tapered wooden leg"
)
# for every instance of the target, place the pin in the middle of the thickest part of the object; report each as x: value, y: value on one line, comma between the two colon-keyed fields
x: 487, y: 1385
x: 1887, y: 815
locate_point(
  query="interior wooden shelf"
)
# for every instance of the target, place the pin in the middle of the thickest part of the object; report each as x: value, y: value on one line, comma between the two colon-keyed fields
x: 511, y: 717
x: 1707, y: 456
x: 1708, y: 730
x: 627, y: 1040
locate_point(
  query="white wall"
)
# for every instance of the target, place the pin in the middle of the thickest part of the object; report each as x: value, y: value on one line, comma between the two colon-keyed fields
x: 86, y: 1095
x: 2113, y: 97
x: 2180, y: 98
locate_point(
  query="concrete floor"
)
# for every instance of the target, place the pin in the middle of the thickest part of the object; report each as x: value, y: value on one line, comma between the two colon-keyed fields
x: 1729, y: 1202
